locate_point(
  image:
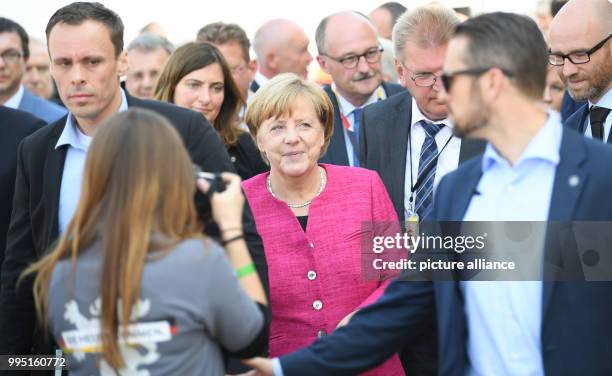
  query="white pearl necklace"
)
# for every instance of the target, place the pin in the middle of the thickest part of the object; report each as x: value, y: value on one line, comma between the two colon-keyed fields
x: 323, y: 180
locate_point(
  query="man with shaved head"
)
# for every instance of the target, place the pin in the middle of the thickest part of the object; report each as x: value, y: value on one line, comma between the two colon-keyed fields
x: 581, y: 51
x: 37, y: 77
x: 353, y: 60
x: 281, y: 46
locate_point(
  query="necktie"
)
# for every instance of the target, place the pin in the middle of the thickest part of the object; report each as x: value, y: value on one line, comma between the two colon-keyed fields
x: 424, y: 193
x: 354, y: 135
x: 597, y: 117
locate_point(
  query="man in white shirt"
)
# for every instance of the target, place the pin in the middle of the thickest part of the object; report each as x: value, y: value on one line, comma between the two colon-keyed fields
x: 407, y: 139
x: 353, y: 60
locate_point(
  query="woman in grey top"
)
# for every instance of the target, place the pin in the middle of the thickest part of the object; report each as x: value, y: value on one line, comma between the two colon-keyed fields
x: 132, y: 286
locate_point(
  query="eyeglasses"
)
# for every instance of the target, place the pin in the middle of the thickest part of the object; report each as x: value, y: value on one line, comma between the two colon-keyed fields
x: 447, y: 78
x: 11, y: 56
x: 350, y: 61
x: 581, y: 57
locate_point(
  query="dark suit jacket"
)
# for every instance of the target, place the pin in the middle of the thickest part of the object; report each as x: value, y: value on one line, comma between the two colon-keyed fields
x: 578, y: 121
x: 336, y: 152
x: 14, y: 126
x: 34, y: 223
x: 569, y: 106
x: 576, y: 333
x: 41, y: 108
x: 384, y: 137
x: 246, y: 157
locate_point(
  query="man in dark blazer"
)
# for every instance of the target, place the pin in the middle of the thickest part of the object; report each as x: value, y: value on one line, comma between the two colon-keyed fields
x: 580, y: 42
x: 353, y: 61
x: 15, y: 49
x: 85, y: 44
x: 14, y: 126
x: 545, y: 327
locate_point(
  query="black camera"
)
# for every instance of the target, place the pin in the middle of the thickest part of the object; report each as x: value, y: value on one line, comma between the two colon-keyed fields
x: 214, y: 180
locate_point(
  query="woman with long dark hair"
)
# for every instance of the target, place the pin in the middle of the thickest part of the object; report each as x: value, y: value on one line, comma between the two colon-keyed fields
x: 196, y: 76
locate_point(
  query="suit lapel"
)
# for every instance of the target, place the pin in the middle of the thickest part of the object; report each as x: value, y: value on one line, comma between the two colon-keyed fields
x: 52, y: 180
x: 399, y: 137
x: 570, y: 180
x: 583, y: 117
x: 337, y: 154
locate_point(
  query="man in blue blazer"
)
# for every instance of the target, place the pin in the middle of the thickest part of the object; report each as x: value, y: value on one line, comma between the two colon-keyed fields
x: 532, y: 169
x: 14, y: 54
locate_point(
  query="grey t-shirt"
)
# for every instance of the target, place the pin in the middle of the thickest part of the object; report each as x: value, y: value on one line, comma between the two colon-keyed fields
x: 190, y: 305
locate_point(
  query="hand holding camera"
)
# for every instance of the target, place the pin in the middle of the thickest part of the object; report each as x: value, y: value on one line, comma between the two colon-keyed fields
x: 225, y: 195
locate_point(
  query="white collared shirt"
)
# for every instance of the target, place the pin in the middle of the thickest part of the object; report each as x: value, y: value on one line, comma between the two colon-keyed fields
x: 605, y: 102
x: 72, y: 175
x: 346, y: 109
x: 14, y: 101
x: 260, y: 78
x: 448, y: 160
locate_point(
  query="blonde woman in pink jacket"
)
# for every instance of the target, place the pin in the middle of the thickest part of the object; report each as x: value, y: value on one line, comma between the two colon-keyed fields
x: 313, y: 218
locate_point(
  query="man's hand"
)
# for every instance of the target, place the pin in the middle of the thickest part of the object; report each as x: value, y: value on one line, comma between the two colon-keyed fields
x: 261, y: 366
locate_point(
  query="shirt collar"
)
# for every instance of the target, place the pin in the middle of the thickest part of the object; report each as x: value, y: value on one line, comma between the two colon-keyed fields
x: 605, y: 101
x: 544, y: 146
x: 347, y: 107
x: 260, y: 78
x: 417, y: 116
x: 72, y: 135
x: 14, y: 101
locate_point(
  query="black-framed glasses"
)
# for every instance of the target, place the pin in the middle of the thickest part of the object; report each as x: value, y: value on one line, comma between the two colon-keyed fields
x: 448, y: 77
x: 11, y: 56
x: 580, y: 57
x: 350, y: 61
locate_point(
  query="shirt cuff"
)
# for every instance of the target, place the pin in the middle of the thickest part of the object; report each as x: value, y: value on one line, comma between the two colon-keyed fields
x: 276, y: 367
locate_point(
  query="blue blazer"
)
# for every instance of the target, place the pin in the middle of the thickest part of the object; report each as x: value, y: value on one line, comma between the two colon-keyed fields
x: 336, y: 151
x: 576, y: 329
x: 41, y: 108
x: 578, y: 121
x: 569, y: 106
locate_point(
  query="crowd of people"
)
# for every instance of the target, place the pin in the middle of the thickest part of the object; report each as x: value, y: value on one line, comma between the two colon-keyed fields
x: 197, y: 211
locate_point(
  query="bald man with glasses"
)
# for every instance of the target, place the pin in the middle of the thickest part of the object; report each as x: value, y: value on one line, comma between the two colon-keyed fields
x: 581, y: 52
x: 353, y: 60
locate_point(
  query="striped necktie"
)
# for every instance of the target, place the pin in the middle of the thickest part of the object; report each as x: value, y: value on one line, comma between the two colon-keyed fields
x: 354, y: 135
x: 429, y: 151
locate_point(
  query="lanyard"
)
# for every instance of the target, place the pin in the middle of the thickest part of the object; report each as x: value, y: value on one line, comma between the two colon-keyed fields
x: 414, y: 186
x: 345, y: 122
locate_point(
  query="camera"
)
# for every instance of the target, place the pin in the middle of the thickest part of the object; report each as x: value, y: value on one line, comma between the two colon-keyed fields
x: 214, y: 179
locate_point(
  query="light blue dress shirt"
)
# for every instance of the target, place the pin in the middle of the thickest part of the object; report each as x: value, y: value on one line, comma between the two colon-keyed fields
x: 504, y: 318
x: 72, y: 176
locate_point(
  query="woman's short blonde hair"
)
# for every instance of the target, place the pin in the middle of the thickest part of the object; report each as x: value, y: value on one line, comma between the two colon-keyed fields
x: 278, y: 97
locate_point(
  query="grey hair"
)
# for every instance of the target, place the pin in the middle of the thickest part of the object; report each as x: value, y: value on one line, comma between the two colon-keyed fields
x: 426, y: 26
x: 148, y: 42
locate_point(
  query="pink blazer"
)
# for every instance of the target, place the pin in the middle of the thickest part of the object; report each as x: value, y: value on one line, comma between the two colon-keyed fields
x: 316, y: 276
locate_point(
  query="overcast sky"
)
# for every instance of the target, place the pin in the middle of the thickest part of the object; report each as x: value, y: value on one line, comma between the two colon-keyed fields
x: 182, y: 18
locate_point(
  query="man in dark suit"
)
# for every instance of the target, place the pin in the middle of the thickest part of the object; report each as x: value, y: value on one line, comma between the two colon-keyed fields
x: 532, y: 169
x: 393, y: 136
x: 86, y: 49
x: 14, y: 54
x: 580, y: 50
x: 353, y: 61
x: 14, y: 126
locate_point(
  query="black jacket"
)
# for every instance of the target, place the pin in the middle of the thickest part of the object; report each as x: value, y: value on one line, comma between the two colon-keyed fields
x: 14, y: 126
x: 34, y: 222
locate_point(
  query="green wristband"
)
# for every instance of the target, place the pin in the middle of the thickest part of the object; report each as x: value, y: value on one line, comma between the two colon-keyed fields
x: 245, y: 270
